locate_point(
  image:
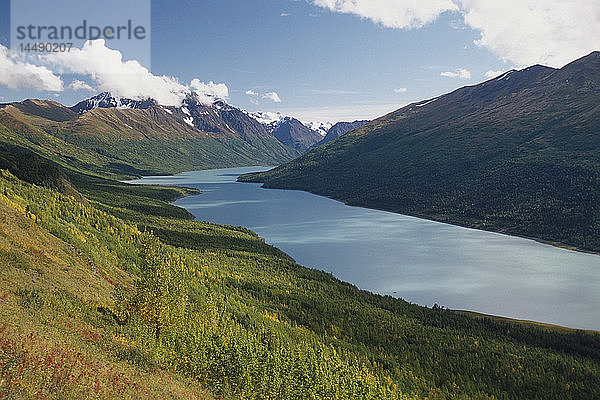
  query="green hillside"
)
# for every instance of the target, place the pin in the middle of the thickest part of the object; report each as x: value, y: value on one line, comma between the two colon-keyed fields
x: 107, y: 291
x: 129, y: 142
x: 518, y: 154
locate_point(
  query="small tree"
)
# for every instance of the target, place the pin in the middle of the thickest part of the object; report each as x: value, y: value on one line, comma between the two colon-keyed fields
x: 160, y: 297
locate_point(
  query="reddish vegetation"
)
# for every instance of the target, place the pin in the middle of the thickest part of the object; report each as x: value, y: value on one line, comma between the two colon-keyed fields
x: 31, y: 366
x: 53, y: 368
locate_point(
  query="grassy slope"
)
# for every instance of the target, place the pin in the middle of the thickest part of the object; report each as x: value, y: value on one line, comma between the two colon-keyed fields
x: 255, y: 325
x: 250, y: 308
x: 53, y: 339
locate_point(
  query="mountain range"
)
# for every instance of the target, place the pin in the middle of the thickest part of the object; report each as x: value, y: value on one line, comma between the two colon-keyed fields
x: 271, y: 121
x: 295, y: 134
x: 519, y: 153
x: 220, y: 117
x: 129, y: 137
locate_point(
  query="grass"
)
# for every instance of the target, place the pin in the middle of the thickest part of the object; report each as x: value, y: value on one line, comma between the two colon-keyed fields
x: 53, y: 341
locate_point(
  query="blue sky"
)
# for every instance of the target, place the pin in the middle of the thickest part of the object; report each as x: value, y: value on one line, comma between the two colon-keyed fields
x: 331, y: 59
x: 312, y: 58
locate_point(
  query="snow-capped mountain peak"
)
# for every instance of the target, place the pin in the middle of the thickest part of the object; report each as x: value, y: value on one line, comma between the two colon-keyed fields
x: 108, y: 100
x: 271, y: 120
x: 319, y: 126
x: 215, y: 115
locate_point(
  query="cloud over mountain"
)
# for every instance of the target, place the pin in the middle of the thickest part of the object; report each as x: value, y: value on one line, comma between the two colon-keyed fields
x: 548, y: 32
x: 208, y: 92
x: 80, y: 85
x: 273, y: 96
x: 130, y: 79
x: 460, y: 73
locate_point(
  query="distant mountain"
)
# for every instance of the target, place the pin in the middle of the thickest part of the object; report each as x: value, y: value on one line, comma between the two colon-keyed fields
x: 519, y: 154
x: 295, y: 134
x: 340, y: 129
x: 131, y: 137
x: 47, y: 109
x: 107, y: 100
x: 319, y: 126
x: 271, y: 121
x: 218, y: 117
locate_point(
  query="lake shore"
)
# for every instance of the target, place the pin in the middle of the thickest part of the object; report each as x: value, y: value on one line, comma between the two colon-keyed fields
x: 462, y: 224
x: 183, y: 181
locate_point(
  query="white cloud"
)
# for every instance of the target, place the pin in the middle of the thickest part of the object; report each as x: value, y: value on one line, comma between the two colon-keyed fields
x: 492, y: 74
x: 80, y: 85
x: 16, y: 73
x: 129, y: 78
x: 273, y: 96
x: 208, y: 92
x: 391, y: 13
x: 460, y: 73
x: 549, y: 32
x: 400, y: 90
x: 284, y: 14
x: 122, y: 78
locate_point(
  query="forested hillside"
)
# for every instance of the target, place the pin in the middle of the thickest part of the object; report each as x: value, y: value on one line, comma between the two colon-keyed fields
x: 108, y: 291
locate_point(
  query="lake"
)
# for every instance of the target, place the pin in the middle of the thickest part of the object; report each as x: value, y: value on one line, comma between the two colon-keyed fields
x: 421, y: 261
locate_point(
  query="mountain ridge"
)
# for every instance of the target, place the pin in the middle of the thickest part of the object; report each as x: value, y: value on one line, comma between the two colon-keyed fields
x: 295, y: 134
x: 517, y: 154
x: 139, y: 137
x: 340, y: 129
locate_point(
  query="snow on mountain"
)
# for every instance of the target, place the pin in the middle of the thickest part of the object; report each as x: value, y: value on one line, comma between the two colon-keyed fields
x: 108, y: 100
x: 267, y: 117
x: 220, y: 117
x: 271, y: 121
x: 319, y: 126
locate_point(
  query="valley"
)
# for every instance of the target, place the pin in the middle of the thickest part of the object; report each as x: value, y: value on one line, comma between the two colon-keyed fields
x: 421, y: 261
x: 153, y: 303
x: 109, y: 290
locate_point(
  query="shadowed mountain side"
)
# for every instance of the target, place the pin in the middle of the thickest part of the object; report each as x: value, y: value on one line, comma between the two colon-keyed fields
x: 516, y: 154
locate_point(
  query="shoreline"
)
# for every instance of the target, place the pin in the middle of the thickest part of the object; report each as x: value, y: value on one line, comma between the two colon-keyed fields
x: 472, y: 314
x: 560, y: 245
x: 538, y: 324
